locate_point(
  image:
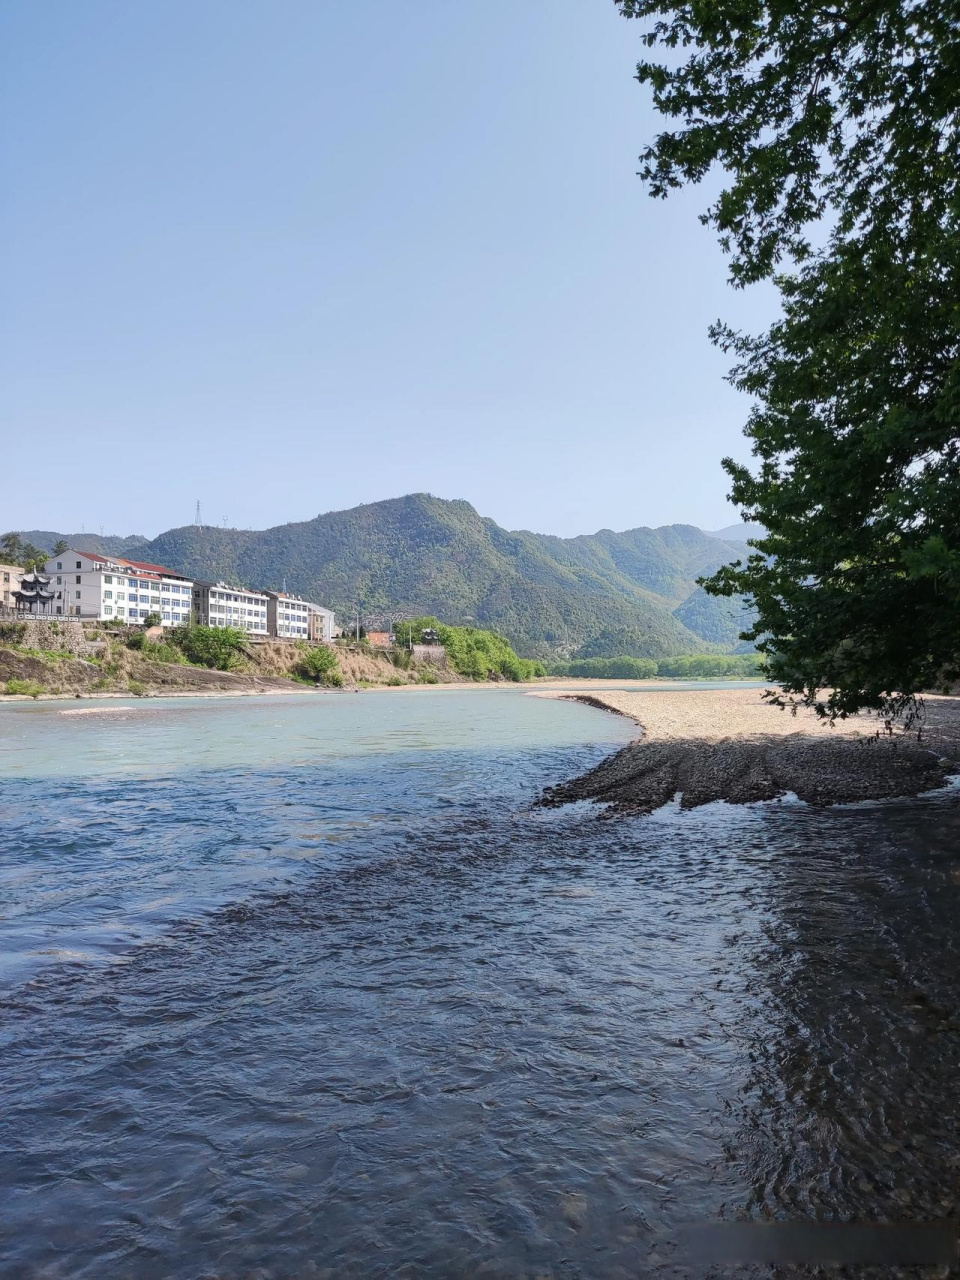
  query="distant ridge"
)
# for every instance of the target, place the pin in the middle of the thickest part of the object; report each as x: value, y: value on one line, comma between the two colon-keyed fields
x: 738, y: 532
x: 631, y: 592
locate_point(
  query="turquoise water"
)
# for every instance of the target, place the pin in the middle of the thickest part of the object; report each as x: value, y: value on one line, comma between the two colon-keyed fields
x: 304, y: 986
x: 122, y: 817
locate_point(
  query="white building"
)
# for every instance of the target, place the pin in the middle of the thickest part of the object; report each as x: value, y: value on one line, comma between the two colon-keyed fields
x: 219, y: 604
x: 111, y: 588
x: 293, y: 618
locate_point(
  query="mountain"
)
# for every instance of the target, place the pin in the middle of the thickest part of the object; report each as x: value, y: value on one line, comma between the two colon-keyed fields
x: 737, y: 532
x: 425, y: 555
x: 109, y: 545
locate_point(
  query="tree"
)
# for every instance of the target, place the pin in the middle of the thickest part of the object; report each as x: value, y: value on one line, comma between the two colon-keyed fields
x: 60, y: 546
x: 837, y: 126
x: 21, y: 553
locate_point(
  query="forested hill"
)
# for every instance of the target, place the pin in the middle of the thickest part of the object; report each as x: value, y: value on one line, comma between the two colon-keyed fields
x: 609, y: 593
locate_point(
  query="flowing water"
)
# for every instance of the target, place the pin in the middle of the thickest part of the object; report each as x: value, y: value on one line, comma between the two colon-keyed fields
x: 302, y: 986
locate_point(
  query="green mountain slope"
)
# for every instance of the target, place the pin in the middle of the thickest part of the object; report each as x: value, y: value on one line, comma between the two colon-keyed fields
x: 425, y: 555
x: 103, y: 545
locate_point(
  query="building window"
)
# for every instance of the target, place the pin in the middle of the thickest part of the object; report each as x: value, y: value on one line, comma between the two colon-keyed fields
x: 166, y: 617
x: 108, y: 595
x: 59, y: 608
x: 59, y: 582
x: 59, y: 564
x: 79, y: 564
x: 76, y: 595
x: 121, y: 595
x: 79, y: 579
x: 108, y: 608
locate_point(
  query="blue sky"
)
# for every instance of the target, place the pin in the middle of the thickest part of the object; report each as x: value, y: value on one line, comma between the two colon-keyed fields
x: 285, y: 256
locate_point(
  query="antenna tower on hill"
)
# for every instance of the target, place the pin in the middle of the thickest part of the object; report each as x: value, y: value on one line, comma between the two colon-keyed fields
x: 197, y: 519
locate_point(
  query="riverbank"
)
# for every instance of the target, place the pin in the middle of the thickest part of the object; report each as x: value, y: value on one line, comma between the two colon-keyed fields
x: 730, y: 745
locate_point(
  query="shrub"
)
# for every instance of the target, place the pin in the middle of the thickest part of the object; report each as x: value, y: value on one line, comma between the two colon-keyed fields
x: 221, y: 648
x: 29, y: 688
x: 152, y: 620
x: 136, y: 688
x: 320, y: 664
x: 395, y: 680
x: 160, y: 651
x: 12, y: 632
x: 428, y: 677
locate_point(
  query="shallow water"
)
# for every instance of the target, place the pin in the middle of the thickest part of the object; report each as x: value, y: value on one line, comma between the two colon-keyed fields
x: 303, y: 987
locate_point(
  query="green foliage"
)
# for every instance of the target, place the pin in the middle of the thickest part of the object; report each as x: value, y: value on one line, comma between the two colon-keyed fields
x: 152, y: 620
x: 12, y: 632
x: 320, y: 665
x: 477, y: 654
x: 13, y: 550
x: 136, y: 688
x: 709, y: 666
x: 690, y: 666
x: 614, y: 642
x: 395, y: 680
x: 46, y: 655
x: 27, y: 688
x: 220, y: 648
x: 60, y: 546
x: 162, y: 651
x: 621, y: 668
x: 845, y: 118
x: 424, y: 676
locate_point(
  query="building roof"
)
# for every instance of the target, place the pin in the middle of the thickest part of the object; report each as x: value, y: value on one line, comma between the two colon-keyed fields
x: 288, y: 595
x: 156, y: 568
x: 141, y: 566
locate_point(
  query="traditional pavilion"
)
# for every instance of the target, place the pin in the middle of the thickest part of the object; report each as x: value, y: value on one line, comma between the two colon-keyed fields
x: 35, y: 594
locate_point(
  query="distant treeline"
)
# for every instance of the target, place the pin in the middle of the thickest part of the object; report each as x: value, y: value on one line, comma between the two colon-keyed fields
x: 690, y: 666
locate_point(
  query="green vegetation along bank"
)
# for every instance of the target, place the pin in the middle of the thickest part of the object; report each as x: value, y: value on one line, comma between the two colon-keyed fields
x: 697, y: 666
x: 474, y: 653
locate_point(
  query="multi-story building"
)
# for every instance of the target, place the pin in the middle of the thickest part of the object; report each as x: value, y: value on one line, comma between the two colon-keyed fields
x: 112, y: 588
x: 10, y: 575
x: 293, y: 618
x: 220, y: 604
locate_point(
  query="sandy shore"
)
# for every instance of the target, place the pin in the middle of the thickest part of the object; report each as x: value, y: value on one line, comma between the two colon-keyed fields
x: 728, y: 744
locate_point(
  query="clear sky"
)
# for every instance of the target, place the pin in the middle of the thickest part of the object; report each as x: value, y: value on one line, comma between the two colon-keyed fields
x: 286, y: 256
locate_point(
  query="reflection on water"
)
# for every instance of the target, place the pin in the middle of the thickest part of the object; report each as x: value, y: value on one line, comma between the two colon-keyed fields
x: 437, y: 1034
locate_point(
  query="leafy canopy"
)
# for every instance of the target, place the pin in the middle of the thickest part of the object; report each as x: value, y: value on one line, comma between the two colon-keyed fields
x: 221, y: 648
x: 14, y: 550
x: 837, y: 127
x: 473, y: 652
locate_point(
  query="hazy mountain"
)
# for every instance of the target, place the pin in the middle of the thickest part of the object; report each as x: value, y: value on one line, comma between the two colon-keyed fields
x: 423, y: 554
x: 103, y: 545
x: 737, y: 532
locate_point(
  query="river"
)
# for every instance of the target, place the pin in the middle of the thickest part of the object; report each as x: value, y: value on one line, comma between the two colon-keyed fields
x: 303, y: 986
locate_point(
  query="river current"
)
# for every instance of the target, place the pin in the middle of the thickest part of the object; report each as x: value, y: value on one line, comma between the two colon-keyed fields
x: 304, y: 987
